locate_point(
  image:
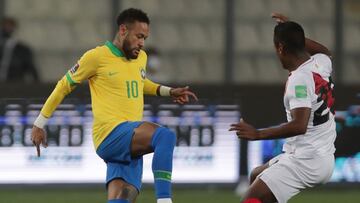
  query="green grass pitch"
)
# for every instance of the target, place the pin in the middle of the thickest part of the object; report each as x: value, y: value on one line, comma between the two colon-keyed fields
x: 58, y: 194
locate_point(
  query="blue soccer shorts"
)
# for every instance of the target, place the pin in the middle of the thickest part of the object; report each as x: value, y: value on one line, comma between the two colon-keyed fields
x: 115, y: 151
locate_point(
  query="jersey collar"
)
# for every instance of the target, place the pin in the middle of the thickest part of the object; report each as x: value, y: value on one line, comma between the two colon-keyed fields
x: 114, y: 49
x: 303, y: 65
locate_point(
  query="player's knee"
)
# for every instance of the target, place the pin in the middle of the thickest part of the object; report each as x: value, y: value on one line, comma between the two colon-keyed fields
x: 170, y: 136
x: 254, y: 173
x: 259, y: 191
x: 164, y: 136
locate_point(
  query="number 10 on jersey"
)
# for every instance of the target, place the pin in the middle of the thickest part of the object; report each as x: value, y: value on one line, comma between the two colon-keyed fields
x: 132, y: 89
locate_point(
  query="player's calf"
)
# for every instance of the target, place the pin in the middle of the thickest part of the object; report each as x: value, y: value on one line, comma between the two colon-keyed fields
x: 121, y: 192
x: 163, y: 143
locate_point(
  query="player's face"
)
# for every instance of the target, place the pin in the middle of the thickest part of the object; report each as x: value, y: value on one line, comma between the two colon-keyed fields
x: 135, y: 39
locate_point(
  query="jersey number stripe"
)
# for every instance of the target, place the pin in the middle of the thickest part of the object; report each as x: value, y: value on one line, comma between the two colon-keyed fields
x: 324, y: 90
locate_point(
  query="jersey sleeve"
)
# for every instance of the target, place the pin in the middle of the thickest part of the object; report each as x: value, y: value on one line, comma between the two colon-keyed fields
x: 150, y: 87
x: 298, y: 92
x: 84, y: 69
x: 324, y: 63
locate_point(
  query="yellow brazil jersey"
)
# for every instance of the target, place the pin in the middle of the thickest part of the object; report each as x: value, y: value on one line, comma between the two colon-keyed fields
x: 117, y: 87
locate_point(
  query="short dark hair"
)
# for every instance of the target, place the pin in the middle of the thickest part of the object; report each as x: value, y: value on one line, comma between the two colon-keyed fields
x: 291, y: 35
x: 131, y: 15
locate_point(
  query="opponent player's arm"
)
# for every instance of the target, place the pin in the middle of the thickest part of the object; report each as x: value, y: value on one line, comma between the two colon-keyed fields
x: 298, y: 93
x: 295, y: 127
x: 313, y: 48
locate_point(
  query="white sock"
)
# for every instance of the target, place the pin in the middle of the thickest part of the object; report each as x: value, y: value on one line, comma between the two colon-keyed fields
x: 164, y: 200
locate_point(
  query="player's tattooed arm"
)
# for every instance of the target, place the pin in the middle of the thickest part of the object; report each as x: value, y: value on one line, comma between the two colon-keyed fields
x: 311, y: 46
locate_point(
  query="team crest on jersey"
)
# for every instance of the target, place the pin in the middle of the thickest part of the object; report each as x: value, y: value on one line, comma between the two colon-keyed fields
x: 143, y: 73
x: 74, y: 68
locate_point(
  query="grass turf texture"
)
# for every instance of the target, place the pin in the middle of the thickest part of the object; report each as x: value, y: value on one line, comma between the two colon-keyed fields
x: 97, y: 195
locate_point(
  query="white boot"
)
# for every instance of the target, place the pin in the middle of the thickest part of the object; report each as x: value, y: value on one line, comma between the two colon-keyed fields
x: 164, y: 200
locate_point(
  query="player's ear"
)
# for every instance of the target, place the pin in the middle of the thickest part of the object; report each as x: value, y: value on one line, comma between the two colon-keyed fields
x: 123, y: 30
x: 280, y: 48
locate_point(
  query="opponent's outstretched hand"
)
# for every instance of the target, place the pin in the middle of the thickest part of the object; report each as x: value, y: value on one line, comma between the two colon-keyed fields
x: 245, y: 130
x: 181, y: 95
x: 38, y: 136
x: 279, y: 18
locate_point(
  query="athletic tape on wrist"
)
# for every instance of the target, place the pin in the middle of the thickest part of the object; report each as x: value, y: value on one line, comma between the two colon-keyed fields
x: 164, y: 91
x: 40, y: 121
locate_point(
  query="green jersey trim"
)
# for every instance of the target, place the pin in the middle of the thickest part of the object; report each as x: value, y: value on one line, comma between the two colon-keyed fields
x: 114, y: 49
x: 68, y: 77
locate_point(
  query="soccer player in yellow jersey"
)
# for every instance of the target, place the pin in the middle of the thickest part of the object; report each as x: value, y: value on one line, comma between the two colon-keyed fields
x: 116, y: 73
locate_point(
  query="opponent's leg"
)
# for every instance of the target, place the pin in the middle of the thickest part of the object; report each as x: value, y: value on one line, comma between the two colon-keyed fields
x: 150, y: 137
x: 259, y: 191
x: 121, y: 192
x: 256, y: 171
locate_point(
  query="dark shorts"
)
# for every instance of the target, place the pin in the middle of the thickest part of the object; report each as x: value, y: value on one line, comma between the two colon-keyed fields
x: 115, y: 151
